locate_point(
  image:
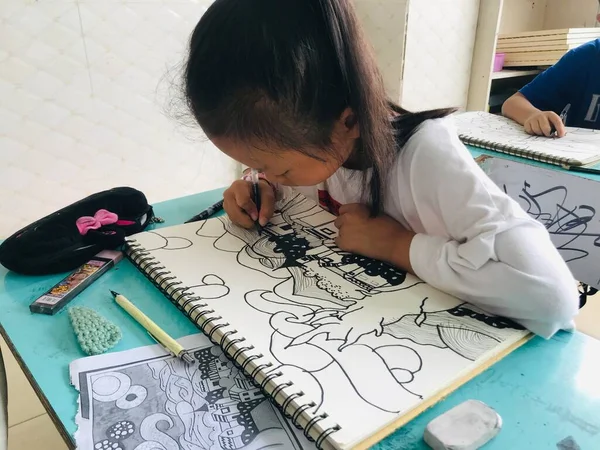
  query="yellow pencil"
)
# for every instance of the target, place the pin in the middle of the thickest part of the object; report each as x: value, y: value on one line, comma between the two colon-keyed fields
x: 170, y: 344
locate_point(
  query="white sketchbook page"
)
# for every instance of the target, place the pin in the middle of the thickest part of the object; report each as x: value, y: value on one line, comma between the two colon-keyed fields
x: 366, y: 344
x: 566, y: 204
x: 580, y: 144
x: 145, y: 399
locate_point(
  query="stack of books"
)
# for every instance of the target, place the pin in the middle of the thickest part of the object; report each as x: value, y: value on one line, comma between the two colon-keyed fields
x: 542, y: 48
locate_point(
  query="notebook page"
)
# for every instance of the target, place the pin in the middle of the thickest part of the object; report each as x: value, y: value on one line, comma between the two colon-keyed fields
x: 580, y: 144
x: 354, y: 335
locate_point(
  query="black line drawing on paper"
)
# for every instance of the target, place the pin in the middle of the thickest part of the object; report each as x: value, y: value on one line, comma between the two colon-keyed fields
x: 301, y: 239
x: 569, y: 223
x: 212, y: 287
x: 155, y: 241
x: 330, y: 309
x: 164, y: 404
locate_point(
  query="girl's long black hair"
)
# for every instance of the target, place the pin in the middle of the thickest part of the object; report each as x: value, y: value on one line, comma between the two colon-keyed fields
x: 282, y: 72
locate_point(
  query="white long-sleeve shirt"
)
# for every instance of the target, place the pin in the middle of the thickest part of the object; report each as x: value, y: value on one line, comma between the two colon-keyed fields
x: 473, y: 241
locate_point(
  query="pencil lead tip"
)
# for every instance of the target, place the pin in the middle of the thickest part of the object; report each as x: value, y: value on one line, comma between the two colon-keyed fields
x: 114, y: 293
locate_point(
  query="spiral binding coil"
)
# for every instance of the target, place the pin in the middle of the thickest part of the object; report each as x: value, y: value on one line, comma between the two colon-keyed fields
x: 516, y: 151
x: 200, y: 314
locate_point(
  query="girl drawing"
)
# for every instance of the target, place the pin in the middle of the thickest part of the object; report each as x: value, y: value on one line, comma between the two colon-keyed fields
x: 292, y: 89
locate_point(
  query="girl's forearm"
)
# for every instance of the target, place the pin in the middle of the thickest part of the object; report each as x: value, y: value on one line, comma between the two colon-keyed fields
x: 400, y: 251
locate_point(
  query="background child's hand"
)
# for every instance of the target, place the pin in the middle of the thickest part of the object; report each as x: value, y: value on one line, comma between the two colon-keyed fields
x: 540, y: 123
x: 380, y: 237
x: 239, y: 206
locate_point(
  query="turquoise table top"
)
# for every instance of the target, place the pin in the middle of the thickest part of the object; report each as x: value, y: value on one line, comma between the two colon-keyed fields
x: 475, y: 151
x: 545, y: 391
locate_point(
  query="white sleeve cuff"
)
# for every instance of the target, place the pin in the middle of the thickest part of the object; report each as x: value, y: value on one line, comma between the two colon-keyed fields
x: 423, y: 254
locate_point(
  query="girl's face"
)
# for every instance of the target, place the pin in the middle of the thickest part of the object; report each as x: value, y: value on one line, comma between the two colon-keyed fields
x: 290, y: 167
x: 283, y: 166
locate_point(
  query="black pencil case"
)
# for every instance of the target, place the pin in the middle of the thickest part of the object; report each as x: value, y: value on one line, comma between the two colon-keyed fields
x: 71, y: 236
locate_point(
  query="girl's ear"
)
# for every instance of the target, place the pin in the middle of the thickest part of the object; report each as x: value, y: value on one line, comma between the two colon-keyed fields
x: 349, y: 124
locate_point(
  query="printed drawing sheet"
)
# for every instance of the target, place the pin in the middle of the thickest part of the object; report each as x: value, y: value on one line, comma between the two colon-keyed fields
x: 580, y: 144
x: 566, y: 205
x: 144, y: 399
x: 363, y: 341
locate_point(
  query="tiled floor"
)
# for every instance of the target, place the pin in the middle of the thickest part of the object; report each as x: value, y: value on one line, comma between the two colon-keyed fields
x: 29, y: 425
x: 36, y: 433
x: 31, y: 428
x: 588, y: 321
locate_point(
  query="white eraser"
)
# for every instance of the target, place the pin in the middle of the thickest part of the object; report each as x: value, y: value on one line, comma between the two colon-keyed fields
x: 467, y: 426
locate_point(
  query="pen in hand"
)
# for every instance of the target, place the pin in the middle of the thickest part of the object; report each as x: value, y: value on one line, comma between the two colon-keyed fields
x: 207, y: 213
x: 563, y: 119
x: 256, y: 198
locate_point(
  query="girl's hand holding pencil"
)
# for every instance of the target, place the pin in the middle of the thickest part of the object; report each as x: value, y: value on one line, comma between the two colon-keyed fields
x: 240, y: 207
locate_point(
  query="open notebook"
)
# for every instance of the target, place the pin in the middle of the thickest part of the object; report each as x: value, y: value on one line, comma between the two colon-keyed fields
x: 580, y: 146
x: 349, y: 348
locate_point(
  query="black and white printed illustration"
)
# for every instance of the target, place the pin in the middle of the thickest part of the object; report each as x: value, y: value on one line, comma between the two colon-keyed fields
x: 146, y: 402
x: 566, y: 205
x: 340, y: 326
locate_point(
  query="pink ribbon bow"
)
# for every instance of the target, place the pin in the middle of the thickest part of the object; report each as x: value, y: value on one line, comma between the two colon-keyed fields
x: 101, y: 218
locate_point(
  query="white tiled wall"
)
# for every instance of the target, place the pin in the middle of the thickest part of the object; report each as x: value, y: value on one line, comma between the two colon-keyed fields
x: 82, y: 98
x: 83, y: 88
x: 439, y: 49
x: 385, y: 22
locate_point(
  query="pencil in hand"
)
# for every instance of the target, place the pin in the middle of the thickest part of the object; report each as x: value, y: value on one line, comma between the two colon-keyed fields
x: 256, y: 198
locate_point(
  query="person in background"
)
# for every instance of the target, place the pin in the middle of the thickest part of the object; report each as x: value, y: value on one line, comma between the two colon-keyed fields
x: 566, y: 94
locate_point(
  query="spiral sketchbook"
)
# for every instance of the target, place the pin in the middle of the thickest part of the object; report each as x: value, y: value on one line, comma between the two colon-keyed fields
x: 580, y: 146
x: 347, y: 347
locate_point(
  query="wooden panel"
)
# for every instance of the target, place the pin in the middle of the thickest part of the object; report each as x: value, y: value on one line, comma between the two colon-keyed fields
x: 532, y: 56
x: 513, y: 73
x: 555, y: 44
x: 560, y: 32
x: 541, y: 62
x: 483, y: 54
x: 522, y: 15
x: 525, y: 59
x: 570, y: 13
